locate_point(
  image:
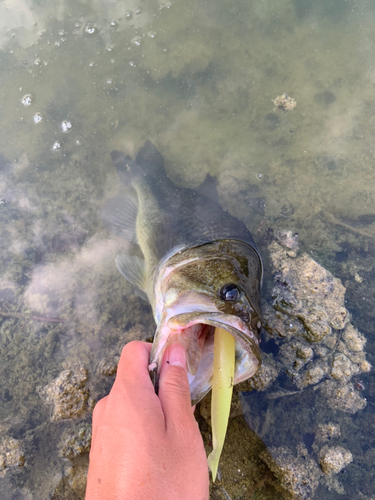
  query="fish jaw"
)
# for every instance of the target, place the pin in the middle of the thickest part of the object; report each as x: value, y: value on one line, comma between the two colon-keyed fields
x: 195, y: 330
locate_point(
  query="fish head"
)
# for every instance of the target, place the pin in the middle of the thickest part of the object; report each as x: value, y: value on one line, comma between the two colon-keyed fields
x: 199, y: 289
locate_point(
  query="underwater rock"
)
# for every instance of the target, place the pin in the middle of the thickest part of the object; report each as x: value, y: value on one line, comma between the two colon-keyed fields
x: 68, y: 394
x: 342, y: 367
x: 107, y: 367
x: 296, y: 353
x: 75, y: 446
x: 284, y: 102
x: 299, y: 475
x: 264, y: 377
x: 344, y: 397
x: 313, y: 374
x: 11, y: 455
x: 307, y: 291
x: 309, y: 322
x: 76, y: 441
x: 334, y: 459
x: 326, y: 432
x: 354, y: 341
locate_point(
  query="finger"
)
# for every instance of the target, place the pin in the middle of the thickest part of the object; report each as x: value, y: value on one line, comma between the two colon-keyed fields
x: 133, y: 391
x: 133, y: 364
x: 174, y: 390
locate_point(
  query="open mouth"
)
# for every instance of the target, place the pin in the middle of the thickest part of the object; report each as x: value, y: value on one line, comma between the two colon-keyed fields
x: 196, y: 332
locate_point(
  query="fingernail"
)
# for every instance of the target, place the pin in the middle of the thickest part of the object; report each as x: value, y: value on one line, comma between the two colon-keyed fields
x: 177, y: 355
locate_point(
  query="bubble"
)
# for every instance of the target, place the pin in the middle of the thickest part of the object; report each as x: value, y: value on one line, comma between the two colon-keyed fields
x: 113, y: 24
x: 90, y: 29
x: 56, y: 146
x: 151, y: 34
x: 27, y: 100
x: 137, y: 40
x: 37, y: 61
x: 132, y: 64
x: 38, y: 118
x: 66, y: 126
x: 129, y: 14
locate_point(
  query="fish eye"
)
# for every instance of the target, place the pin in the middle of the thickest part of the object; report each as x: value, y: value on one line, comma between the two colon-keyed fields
x: 230, y: 292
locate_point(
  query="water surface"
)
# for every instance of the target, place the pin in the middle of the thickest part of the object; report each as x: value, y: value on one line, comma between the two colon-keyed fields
x: 79, y: 79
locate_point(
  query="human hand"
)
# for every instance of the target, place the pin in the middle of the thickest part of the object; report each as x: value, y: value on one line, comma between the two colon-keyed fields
x: 146, y: 446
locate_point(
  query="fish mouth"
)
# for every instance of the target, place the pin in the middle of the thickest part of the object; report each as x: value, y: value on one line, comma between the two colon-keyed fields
x: 196, y: 332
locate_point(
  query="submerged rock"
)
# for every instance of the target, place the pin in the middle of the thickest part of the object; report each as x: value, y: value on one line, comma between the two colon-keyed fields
x: 334, y: 459
x: 264, y: 377
x: 326, y: 432
x: 299, y: 475
x: 68, y: 394
x: 284, y: 102
x: 343, y: 397
x: 307, y: 291
x: 11, y: 455
x: 310, y: 323
x: 76, y: 441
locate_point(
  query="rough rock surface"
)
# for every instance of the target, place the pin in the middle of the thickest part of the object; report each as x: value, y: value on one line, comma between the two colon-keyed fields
x: 68, y: 394
x: 76, y: 442
x: 309, y: 292
x: 343, y: 397
x: 334, y: 459
x: 11, y: 455
x: 310, y: 323
x: 326, y: 432
x: 264, y: 377
x: 299, y: 475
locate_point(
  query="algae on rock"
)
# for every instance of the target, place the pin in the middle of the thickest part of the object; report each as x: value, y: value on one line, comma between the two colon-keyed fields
x: 68, y: 394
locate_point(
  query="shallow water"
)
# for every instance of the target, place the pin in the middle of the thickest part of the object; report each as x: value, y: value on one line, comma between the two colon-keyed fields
x: 80, y: 79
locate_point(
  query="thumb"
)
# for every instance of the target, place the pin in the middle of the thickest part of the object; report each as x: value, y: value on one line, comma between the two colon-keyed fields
x: 174, y: 390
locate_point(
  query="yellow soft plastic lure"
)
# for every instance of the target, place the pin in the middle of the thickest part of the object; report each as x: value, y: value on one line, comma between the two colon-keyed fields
x: 222, y: 388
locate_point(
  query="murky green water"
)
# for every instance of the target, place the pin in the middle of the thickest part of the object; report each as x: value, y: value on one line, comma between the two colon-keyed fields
x: 79, y: 79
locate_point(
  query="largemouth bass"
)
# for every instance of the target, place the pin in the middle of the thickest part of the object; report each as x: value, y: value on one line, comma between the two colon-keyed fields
x: 197, y: 266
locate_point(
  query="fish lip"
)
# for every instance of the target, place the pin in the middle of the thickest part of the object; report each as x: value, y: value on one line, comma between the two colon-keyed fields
x: 247, y: 339
x: 219, y: 320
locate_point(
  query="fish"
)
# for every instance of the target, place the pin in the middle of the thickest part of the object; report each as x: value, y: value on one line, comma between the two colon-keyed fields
x: 196, y: 264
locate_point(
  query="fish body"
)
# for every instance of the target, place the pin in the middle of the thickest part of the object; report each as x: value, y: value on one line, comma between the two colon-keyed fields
x: 196, y: 264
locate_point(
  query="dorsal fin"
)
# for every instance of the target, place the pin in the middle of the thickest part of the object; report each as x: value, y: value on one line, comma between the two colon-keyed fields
x: 208, y: 189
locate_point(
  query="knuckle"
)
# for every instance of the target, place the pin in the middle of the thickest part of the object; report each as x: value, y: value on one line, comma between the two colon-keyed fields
x: 131, y: 349
x: 99, y: 407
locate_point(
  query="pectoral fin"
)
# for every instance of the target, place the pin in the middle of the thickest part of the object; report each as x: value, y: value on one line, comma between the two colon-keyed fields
x: 133, y: 269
